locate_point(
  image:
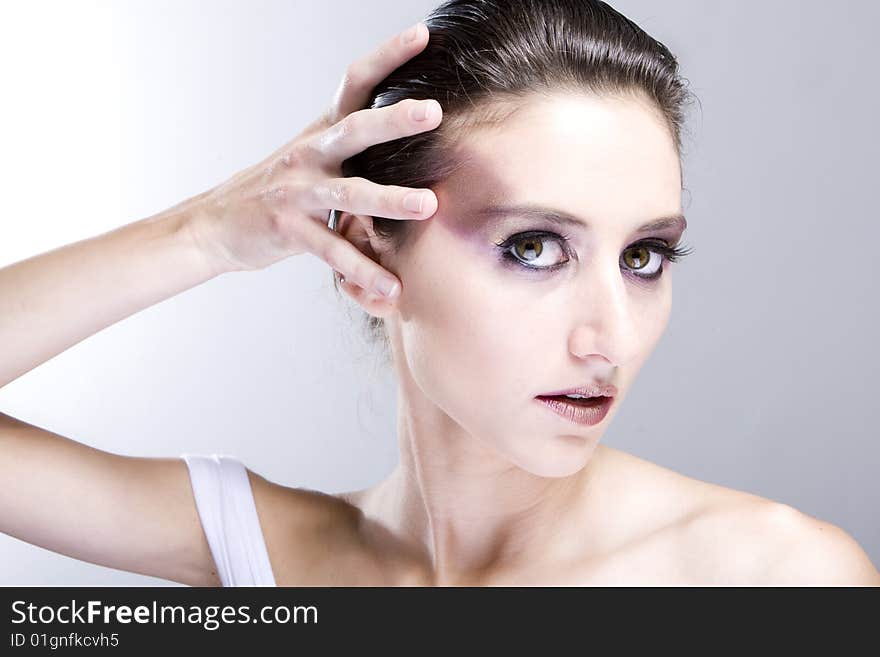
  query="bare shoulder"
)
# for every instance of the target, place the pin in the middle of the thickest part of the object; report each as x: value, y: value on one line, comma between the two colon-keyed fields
x: 803, y: 550
x: 303, y: 529
x: 761, y: 542
x: 725, y: 536
x: 280, y: 505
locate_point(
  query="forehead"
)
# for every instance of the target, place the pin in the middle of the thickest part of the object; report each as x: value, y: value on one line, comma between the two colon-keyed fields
x: 610, y: 158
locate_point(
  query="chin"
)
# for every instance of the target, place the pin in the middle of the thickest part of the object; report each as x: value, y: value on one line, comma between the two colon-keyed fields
x: 564, y: 456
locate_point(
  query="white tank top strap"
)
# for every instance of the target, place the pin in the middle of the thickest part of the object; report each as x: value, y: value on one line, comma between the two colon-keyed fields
x: 226, y: 508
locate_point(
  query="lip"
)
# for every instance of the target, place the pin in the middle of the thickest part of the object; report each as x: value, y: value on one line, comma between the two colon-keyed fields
x: 587, y: 415
x: 589, y: 390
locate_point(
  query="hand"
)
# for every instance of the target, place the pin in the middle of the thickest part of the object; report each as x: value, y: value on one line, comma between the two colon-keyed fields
x: 279, y: 207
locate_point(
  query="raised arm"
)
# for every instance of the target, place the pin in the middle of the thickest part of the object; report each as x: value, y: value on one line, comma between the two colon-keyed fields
x: 135, y: 513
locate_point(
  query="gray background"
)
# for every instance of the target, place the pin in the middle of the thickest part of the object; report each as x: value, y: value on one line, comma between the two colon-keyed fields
x: 764, y: 381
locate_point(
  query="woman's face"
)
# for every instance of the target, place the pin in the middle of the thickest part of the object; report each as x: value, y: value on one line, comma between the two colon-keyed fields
x: 487, y: 320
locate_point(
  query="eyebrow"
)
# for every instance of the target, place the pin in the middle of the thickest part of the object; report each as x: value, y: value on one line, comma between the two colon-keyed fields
x: 560, y: 217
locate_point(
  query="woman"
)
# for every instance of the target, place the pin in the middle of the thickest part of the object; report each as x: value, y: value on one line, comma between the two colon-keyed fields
x: 510, y: 243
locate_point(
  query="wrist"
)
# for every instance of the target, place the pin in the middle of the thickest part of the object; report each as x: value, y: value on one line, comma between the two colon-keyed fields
x: 189, y: 225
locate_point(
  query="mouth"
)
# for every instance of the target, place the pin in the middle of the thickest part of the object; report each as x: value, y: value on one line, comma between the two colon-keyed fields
x: 591, y: 389
x: 588, y: 411
x: 586, y: 401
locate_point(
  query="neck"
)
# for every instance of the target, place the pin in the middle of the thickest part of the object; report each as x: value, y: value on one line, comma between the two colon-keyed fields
x: 470, y: 511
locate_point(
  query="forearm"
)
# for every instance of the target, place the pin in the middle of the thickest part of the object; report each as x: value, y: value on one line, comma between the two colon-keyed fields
x: 54, y: 300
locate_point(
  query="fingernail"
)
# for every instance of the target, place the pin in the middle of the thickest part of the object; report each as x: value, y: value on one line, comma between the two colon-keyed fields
x: 422, y: 111
x: 410, y: 35
x: 387, y: 286
x: 414, y: 201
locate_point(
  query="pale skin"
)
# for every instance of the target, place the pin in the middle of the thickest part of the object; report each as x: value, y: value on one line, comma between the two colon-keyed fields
x: 499, y: 492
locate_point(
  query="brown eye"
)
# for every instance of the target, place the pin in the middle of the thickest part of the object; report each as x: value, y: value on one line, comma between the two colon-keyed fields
x: 641, y: 257
x: 527, y: 249
x: 531, y: 248
x: 638, y: 259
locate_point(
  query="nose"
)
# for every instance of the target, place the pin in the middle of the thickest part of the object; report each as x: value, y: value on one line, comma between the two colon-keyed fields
x: 606, y: 324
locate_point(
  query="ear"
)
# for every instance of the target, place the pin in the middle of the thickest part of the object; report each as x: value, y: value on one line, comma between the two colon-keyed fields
x: 358, y: 230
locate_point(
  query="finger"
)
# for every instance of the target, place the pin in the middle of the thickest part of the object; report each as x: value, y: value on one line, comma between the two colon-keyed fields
x: 362, y: 75
x: 360, y: 130
x: 358, y: 195
x: 355, y: 267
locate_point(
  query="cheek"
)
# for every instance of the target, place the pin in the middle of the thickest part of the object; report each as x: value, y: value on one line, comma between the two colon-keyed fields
x: 658, y: 310
x: 651, y: 315
x: 459, y: 324
x: 460, y: 332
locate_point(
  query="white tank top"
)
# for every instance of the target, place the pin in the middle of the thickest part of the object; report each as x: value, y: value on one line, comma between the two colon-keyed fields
x: 226, y: 508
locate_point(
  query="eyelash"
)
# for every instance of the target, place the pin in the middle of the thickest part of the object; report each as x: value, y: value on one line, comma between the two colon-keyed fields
x: 668, y: 253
